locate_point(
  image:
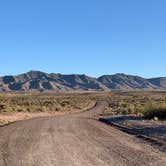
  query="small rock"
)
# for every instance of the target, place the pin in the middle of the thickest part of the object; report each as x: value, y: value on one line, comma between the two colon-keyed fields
x: 155, y: 118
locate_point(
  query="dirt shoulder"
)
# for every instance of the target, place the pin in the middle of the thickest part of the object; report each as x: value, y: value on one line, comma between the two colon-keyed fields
x: 12, y: 117
x: 147, y: 129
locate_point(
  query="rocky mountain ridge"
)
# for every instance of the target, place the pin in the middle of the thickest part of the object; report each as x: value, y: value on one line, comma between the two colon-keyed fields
x: 38, y: 81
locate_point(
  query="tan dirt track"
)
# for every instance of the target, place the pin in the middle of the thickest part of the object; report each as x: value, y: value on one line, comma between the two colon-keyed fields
x: 73, y: 140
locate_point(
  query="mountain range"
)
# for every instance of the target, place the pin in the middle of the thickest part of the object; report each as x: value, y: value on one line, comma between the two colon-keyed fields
x: 37, y: 81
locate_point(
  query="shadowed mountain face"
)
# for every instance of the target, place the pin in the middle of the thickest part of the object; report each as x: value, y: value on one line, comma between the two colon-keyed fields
x: 159, y: 82
x: 127, y: 82
x: 42, y: 82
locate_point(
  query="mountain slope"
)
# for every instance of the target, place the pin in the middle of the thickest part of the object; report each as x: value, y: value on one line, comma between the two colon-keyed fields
x: 126, y: 82
x: 43, y: 82
x: 160, y: 82
x: 39, y: 81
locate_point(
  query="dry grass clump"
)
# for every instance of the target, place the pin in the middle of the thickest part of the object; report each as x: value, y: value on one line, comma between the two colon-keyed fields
x: 2, y: 121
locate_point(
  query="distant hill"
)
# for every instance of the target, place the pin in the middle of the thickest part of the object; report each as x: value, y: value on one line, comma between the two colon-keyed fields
x: 37, y: 81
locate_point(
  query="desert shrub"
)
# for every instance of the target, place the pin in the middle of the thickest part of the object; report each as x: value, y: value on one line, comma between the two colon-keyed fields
x: 152, y: 111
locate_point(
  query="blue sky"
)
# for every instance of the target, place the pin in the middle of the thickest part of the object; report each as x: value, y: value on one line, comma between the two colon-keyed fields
x: 93, y: 37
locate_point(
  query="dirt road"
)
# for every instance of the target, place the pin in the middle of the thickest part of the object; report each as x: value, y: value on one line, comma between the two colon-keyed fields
x: 73, y: 140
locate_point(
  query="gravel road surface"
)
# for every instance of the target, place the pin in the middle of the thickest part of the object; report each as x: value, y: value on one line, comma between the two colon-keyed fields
x: 73, y: 140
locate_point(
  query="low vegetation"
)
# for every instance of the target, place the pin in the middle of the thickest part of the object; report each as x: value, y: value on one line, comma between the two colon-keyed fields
x: 155, y: 111
x: 42, y: 103
x: 147, y: 104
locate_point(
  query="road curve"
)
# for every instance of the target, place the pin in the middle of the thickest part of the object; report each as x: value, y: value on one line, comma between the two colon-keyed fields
x: 73, y: 140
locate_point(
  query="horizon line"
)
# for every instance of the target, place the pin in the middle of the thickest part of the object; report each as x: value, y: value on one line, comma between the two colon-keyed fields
x: 46, y: 72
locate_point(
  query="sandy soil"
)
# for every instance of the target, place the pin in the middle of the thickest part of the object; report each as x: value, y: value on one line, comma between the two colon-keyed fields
x: 12, y: 117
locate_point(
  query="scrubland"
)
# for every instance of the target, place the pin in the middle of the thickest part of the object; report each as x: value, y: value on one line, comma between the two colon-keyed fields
x: 15, y: 107
x: 145, y: 104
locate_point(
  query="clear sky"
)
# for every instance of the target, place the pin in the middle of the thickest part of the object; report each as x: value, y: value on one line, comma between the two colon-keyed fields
x: 93, y: 37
